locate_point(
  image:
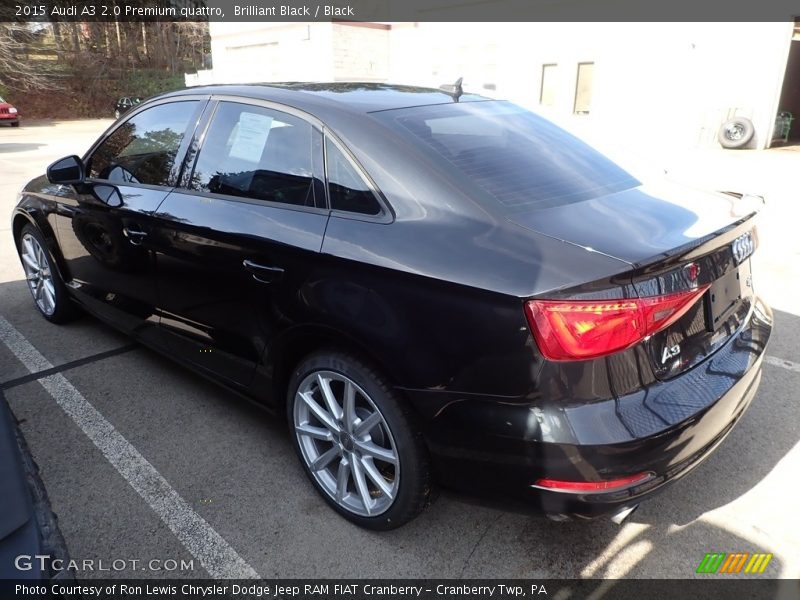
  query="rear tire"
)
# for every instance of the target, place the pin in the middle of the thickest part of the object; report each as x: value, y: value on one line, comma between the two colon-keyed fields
x: 44, y: 280
x: 357, y: 442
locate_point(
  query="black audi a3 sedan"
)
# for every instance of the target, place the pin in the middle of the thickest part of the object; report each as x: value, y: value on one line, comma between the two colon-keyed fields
x: 432, y: 287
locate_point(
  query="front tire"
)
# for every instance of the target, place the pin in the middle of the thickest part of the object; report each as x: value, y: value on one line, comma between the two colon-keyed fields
x: 357, y: 441
x: 44, y: 281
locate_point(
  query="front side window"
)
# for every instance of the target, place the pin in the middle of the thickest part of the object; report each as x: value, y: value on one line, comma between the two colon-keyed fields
x: 257, y: 153
x: 144, y: 148
x: 347, y: 189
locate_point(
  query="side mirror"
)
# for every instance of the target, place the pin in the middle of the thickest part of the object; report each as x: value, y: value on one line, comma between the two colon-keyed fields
x: 68, y: 171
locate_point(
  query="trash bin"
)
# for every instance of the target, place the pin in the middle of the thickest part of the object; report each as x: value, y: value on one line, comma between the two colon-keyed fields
x: 783, y: 124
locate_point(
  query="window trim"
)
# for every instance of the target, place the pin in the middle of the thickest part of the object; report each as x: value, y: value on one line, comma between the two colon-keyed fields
x: 385, y: 215
x: 180, y: 155
x: 199, y: 139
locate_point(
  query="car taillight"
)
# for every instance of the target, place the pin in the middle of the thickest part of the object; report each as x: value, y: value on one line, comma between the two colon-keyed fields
x: 584, y: 329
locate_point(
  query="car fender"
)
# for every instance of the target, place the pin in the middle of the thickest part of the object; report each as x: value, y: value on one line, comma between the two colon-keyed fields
x: 293, y: 344
x: 31, y: 211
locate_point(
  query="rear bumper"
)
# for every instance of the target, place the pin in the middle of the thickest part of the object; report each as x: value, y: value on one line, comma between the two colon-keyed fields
x: 499, y: 448
x: 729, y: 409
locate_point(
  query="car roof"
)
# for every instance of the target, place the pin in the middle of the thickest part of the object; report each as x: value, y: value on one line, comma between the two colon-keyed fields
x: 351, y: 97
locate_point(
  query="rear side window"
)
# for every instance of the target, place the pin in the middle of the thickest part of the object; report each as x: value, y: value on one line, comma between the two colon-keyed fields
x: 347, y: 189
x: 518, y: 159
x: 257, y: 153
x: 143, y: 149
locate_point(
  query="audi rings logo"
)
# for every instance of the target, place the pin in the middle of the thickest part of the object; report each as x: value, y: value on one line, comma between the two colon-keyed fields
x: 743, y: 247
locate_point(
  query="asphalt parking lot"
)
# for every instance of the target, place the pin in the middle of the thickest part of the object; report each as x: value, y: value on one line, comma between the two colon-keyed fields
x: 145, y: 461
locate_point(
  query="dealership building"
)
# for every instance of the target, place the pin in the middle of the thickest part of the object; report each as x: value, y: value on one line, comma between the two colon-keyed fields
x: 670, y: 84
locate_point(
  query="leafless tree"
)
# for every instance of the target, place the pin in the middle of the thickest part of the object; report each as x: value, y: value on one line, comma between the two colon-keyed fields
x: 16, y: 70
x: 93, y: 63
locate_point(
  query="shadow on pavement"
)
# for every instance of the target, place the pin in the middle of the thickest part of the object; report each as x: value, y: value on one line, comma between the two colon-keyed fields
x: 665, y: 538
x: 19, y: 147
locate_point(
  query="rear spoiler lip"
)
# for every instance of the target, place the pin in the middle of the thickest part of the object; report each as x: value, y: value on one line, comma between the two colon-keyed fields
x: 689, y: 251
x: 696, y: 248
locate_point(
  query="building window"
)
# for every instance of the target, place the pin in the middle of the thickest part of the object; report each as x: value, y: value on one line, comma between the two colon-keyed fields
x: 583, y: 88
x: 547, y: 93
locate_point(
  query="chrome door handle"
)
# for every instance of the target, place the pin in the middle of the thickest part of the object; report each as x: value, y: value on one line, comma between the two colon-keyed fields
x: 135, y: 236
x: 263, y: 273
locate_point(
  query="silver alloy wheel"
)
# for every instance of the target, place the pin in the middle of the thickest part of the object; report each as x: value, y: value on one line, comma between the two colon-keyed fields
x: 734, y: 132
x: 38, y: 274
x: 346, y: 443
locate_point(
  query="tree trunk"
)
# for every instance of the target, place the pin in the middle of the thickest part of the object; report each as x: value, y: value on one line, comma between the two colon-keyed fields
x: 119, y: 38
x: 76, y: 44
x: 144, y: 43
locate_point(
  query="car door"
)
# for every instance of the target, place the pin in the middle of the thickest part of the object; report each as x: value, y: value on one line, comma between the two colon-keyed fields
x: 238, y: 239
x: 103, y: 225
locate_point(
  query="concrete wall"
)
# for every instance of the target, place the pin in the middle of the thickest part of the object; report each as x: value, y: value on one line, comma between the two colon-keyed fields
x: 671, y: 81
x: 670, y: 84
x: 360, y: 52
x: 252, y: 52
x: 258, y: 52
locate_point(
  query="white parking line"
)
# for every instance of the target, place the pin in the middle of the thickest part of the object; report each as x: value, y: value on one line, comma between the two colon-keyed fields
x: 782, y: 363
x: 206, y: 545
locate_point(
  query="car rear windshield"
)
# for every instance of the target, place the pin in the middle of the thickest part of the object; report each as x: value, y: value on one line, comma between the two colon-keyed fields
x: 519, y: 159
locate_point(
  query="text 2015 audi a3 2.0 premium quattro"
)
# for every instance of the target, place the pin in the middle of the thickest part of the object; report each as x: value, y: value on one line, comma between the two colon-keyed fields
x: 434, y: 287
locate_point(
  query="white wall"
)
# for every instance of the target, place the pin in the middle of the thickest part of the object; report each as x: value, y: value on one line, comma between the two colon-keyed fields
x: 360, y: 53
x: 674, y: 82
x: 260, y: 52
x: 669, y: 84
x: 255, y: 52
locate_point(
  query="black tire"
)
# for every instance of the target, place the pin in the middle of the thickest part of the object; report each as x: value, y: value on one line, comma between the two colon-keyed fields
x: 65, y: 310
x: 736, y: 133
x: 53, y: 544
x: 15, y: 124
x: 415, y: 485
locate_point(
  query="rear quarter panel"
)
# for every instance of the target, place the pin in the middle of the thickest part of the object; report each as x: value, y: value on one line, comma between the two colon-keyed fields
x: 423, y: 332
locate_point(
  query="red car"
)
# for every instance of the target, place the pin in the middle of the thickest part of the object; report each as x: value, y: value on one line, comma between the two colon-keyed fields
x: 8, y: 114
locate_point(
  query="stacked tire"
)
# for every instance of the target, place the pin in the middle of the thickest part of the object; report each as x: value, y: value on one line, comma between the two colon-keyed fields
x: 736, y: 133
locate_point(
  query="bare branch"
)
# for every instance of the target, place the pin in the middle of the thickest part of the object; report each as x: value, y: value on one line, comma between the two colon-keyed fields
x: 16, y: 69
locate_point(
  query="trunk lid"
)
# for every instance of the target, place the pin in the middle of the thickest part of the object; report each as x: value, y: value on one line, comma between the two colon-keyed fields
x: 675, y: 239
x: 639, y: 225
x: 723, y: 265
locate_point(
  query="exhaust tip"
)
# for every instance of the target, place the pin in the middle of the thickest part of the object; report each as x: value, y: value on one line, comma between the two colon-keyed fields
x: 620, y: 516
x: 557, y: 517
